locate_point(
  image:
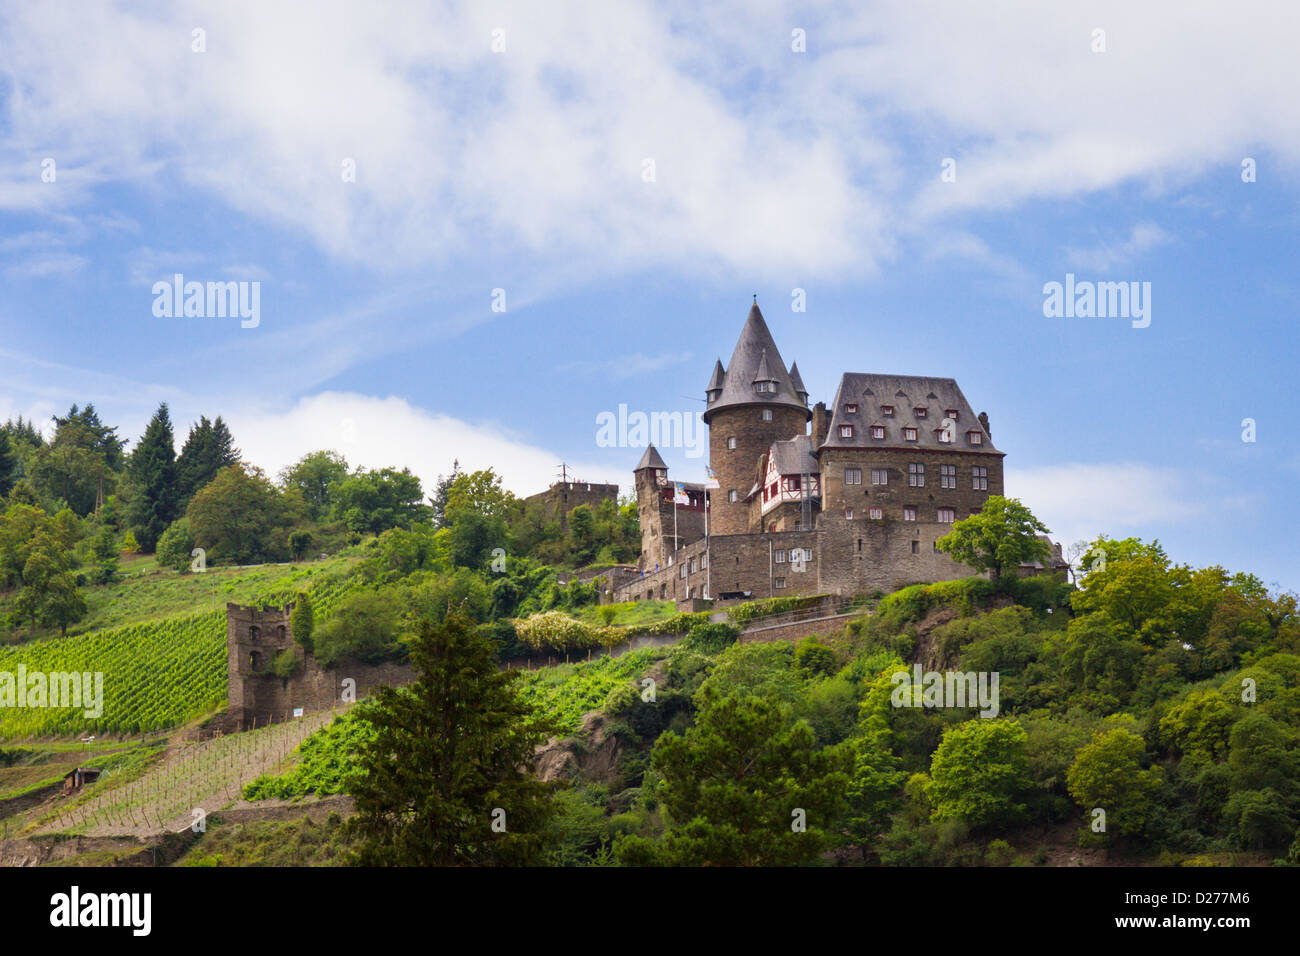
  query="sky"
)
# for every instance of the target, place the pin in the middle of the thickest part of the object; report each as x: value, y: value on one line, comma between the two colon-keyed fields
x: 474, y: 228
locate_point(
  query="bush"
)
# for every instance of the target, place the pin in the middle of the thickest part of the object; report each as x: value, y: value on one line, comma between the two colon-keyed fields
x: 175, y: 545
x: 710, y: 638
x: 814, y: 658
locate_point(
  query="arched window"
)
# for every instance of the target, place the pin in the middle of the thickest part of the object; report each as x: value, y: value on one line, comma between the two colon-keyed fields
x: 254, y: 660
x: 280, y: 632
x: 254, y: 633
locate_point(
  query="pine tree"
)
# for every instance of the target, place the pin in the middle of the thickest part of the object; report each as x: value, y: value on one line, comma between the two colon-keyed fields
x: 209, y: 448
x: 302, y: 621
x: 154, y: 499
x: 8, y: 465
x: 445, y: 780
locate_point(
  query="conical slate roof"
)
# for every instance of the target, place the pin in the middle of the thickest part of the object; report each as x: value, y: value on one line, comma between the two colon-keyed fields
x: 756, y: 358
x: 796, y: 379
x: 718, y: 377
x: 650, y: 459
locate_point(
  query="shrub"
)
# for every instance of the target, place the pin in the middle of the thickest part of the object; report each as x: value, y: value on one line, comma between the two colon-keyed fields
x: 710, y: 638
x: 814, y: 658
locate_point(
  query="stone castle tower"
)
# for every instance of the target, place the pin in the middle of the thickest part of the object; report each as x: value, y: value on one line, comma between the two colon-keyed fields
x: 752, y: 403
x: 665, y: 527
x: 254, y: 636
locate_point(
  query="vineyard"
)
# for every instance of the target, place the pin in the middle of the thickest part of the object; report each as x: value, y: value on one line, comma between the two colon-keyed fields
x: 157, y: 675
x: 207, y: 776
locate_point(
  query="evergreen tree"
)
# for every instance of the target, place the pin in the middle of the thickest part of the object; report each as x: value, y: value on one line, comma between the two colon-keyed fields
x: 8, y: 464
x: 209, y: 448
x: 302, y: 620
x: 154, y: 503
x: 445, y: 780
x: 103, y: 439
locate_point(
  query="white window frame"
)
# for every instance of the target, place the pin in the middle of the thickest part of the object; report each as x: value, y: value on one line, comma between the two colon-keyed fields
x: 852, y: 476
x: 948, y: 476
x: 916, y: 474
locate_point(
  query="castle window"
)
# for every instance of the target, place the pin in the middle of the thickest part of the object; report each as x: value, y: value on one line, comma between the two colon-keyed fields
x: 909, y: 514
x: 915, y: 475
x: 780, y: 582
x: 791, y: 484
x: 279, y: 633
x: 850, y: 409
x: 947, y: 476
x: 255, y: 660
x: 875, y: 514
x: 880, y: 476
x: 761, y: 387
x: 951, y: 413
x: 848, y: 513
x: 887, y: 410
x: 947, y: 516
x: 936, y: 546
x: 976, y: 438
x: 859, y: 545
x: 780, y: 557
x: 944, y: 435
x: 853, y: 476
x: 877, y: 431
x: 767, y: 414
x: 916, y: 547
x: 731, y: 444
x: 846, y: 431
x: 979, y: 478
x: 919, y: 412
x: 909, y: 434
x: 254, y: 633
x: 772, y: 489
x: 732, y: 496
x: 690, y: 566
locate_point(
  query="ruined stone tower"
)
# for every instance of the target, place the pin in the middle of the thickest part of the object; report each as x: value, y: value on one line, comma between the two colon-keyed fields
x: 254, y: 636
x: 751, y: 403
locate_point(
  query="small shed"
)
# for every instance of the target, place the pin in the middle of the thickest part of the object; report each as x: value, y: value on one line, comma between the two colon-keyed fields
x: 76, y: 779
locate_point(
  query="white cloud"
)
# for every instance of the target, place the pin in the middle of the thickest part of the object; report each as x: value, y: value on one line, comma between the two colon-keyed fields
x: 626, y: 366
x: 390, y: 432
x: 1082, y: 501
x: 1119, y: 252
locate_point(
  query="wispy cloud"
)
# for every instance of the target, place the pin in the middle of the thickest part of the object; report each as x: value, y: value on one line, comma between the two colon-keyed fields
x: 626, y: 366
x: 1106, y: 255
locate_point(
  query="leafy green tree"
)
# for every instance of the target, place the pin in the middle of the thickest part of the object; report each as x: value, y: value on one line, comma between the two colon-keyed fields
x: 745, y: 786
x: 302, y: 620
x: 445, y: 780
x: 1003, y: 536
x: 1107, y: 774
x: 316, y: 475
x: 175, y: 546
x: 364, y: 627
x: 1197, y: 727
x: 49, y: 595
x: 209, y: 448
x: 375, y: 501
x: 240, y: 517
x: 980, y: 773
x: 154, y: 498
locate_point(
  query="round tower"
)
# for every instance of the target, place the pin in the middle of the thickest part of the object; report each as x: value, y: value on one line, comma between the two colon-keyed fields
x: 751, y: 403
x: 651, y: 475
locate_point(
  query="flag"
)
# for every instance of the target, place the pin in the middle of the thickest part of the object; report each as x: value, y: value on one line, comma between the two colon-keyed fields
x: 679, y: 494
x: 713, y: 478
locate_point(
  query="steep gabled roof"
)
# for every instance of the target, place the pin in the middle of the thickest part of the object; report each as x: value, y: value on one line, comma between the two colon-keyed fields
x: 795, y: 457
x: 650, y: 459
x: 796, y: 379
x: 756, y: 358
x: 906, y: 393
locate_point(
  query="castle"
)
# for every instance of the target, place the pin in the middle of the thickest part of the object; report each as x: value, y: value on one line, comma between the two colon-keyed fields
x: 843, y: 500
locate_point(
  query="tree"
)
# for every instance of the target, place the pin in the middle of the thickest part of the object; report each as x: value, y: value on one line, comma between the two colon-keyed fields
x: 364, y: 627
x: 444, y: 781
x: 8, y: 464
x: 176, y: 545
x: 209, y: 448
x: 302, y: 621
x: 375, y: 501
x: 1107, y: 774
x: 315, y: 475
x: 240, y: 517
x: 438, y: 500
x: 154, y: 500
x: 980, y: 772
x: 49, y: 595
x: 746, y: 786
x: 1003, y: 536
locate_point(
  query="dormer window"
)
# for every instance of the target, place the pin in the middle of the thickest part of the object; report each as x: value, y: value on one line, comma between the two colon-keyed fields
x: 909, y: 434
x: 951, y: 413
x: 850, y: 409
x: 846, y: 431
x: 887, y: 410
x: 976, y: 438
x: 919, y: 412
x: 944, y: 435
x: 878, y: 432
x: 761, y: 387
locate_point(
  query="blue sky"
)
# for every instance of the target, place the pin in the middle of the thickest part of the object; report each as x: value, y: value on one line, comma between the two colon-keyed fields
x: 774, y: 170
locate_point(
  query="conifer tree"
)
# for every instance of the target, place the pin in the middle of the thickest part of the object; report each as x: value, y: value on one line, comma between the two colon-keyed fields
x: 8, y: 464
x: 154, y: 500
x: 209, y: 448
x: 445, y: 780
